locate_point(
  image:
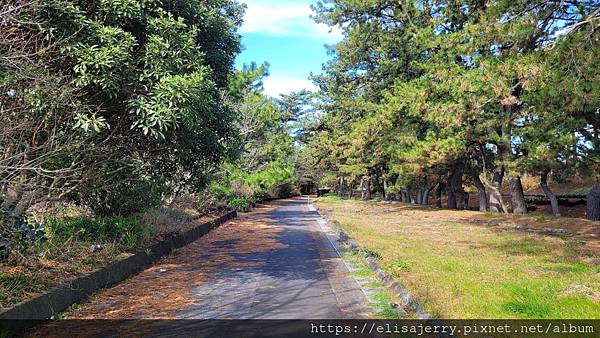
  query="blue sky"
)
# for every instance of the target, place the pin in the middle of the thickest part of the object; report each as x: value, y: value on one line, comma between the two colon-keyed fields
x: 282, y: 33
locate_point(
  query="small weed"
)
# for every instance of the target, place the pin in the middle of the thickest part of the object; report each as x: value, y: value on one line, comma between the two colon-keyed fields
x: 373, y: 284
x: 383, y: 307
x: 397, y: 267
x: 65, y: 314
x: 372, y: 253
x: 362, y: 272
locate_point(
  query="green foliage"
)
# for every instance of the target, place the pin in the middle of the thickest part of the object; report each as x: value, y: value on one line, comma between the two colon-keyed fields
x: 129, y: 231
x: 125, y: 197
x: 115, y: 96
x: 239, y: 204
x: 417, y: 89
x: 264, y: 167
x: 220, y: 191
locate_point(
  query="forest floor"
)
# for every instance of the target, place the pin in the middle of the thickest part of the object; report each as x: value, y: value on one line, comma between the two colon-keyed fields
x: 468, y: 264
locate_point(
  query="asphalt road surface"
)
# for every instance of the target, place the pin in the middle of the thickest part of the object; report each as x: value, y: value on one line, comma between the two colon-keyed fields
x: 272, y: 263
x: 306, y: 279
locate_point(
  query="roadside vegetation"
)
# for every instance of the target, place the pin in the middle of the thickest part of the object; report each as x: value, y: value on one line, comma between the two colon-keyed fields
x: 380, y: 298
x: 122, y: 122
x: 459, y: 270
x: 425, y: 98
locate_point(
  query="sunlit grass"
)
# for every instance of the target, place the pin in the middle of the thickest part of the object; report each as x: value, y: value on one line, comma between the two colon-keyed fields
x: 467, y: 271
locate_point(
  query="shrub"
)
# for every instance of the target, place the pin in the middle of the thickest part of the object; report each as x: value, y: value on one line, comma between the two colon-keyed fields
x: 239, y: 204
x: 129, y: 231
x: 219, y: 190
x: 127, y: 197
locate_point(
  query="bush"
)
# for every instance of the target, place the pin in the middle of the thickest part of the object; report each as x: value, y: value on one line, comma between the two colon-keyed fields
x: 219, y: 190
x: 239, y: 204
x: 127, y: 197
x: 129, y: 231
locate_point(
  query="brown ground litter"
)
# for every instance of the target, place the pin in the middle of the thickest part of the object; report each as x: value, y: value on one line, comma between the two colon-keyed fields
x: 161, y: 290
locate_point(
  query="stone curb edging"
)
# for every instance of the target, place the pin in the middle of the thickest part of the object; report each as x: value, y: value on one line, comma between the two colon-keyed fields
x: 58, y: 299
x: 407, y: 301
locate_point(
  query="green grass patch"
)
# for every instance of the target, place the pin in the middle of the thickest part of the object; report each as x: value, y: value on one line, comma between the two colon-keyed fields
x: 531, y: 300
x: 373, y: 284
x: 383, y: 306
x: 524, y: 246
x: 362, y: 272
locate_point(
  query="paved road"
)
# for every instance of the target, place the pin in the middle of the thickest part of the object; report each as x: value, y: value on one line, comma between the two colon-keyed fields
x: 304, y: 279
x: 272, y: 263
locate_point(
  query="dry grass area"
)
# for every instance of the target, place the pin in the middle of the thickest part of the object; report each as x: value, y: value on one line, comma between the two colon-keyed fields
x: 583, y: 230
x: 161, y: 290
x: 48, y: 264
x: 463, y: 270
x: 24, y: 277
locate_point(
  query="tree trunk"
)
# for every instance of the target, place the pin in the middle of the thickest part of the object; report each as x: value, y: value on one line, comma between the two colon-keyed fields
x: 411, y: 197
x: 385, y: 188
x: 438, y: 195
x: 496, y: 201
x: 425, y: 197
x: 454, y: 190
x: 450, y: 197
x: 593, y: 204
x: 419, y: 196
x: 483, y: 200
x: 362, y: 188
x: 366, y: 188
x: 551, y: 196
x: 517, y: 195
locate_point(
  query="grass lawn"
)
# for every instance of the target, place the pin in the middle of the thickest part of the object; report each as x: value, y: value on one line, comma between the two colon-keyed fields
x: 468, y: 271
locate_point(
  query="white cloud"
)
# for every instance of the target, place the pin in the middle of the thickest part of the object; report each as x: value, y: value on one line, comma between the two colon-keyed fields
x: 286, y: 18
x: 274, y: 86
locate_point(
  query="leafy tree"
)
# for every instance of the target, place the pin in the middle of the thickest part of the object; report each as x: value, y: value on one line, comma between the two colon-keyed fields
x: 113, y: 92
x: 263, y: 166
x: 450, y: 89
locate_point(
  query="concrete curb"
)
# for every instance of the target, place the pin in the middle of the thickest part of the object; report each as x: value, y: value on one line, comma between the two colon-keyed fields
x: 33, y: 311
x: 407, y: 302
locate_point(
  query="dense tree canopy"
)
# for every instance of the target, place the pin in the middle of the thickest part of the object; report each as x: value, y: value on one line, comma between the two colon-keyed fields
x: 104, y: 99
x: 435, y: 94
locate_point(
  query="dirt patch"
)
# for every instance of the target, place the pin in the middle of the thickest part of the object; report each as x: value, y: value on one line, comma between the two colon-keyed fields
x: 59, y: 260
x: 587, y: 232
x: 578, y: 289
